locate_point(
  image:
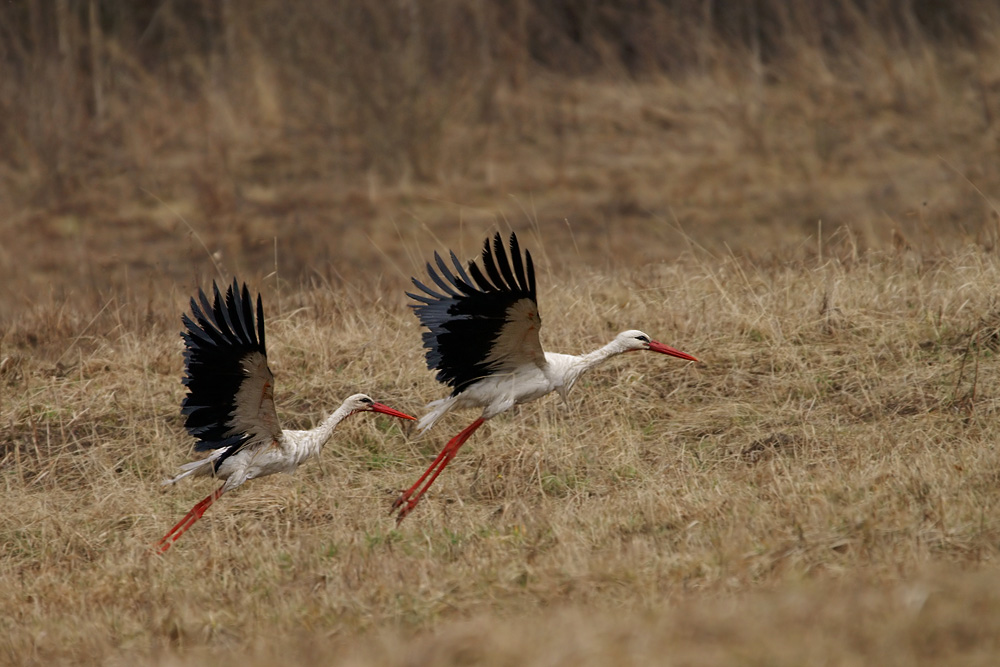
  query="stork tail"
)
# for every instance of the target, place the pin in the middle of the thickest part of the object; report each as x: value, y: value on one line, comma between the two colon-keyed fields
x: 438, y: 409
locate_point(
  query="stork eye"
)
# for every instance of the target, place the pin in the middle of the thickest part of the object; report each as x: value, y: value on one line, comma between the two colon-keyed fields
x: 367, y: 400
x: 644, y: 339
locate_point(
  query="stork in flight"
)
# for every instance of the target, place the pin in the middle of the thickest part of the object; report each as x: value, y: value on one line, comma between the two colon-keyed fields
x: 230, y: 404
x: 482, y: 338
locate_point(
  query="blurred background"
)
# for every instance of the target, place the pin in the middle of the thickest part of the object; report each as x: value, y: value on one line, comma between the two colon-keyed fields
x: 147, y: 143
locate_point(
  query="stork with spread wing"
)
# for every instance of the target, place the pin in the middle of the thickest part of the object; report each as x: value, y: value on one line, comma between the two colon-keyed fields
x: 482, y: 338
x: 230, y: 406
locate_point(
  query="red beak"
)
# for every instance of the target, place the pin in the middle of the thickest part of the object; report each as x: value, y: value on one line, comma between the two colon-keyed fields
x: 666, y: 349
x: 386, y: 410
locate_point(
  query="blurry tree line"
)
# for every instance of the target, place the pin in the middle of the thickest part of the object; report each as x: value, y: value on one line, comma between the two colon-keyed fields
x: 115, y: 72
x: 565, y: 36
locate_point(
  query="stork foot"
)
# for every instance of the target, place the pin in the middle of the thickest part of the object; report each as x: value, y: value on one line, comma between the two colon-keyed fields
x: 403, y: 512
x: 412, y: 496
x: 403, y: 497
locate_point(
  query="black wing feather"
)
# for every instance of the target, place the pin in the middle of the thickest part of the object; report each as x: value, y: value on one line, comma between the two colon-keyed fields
x: 464, y: 324
x: 503, y: 264
x: 439, y: 281
x: 434, y: 296
x: 460, y: 269
x: 217, y: 340
x: 531, y: 272
x: 260, y: 325
x: 446, y: 273
x: 515, y: 256
x: 222, y: 311
x: 490, y: 263
x: 243, y: 308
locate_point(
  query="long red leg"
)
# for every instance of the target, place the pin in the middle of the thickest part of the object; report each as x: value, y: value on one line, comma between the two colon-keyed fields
x: 442, y: 460
x: 175, y: 533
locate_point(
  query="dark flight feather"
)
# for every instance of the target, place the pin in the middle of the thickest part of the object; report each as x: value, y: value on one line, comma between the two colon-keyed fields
x: 466, y: 320
x: 218, y: 338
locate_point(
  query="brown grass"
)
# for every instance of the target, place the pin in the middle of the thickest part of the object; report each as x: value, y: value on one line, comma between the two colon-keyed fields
x: 814, y: 217
x: 836, y: 444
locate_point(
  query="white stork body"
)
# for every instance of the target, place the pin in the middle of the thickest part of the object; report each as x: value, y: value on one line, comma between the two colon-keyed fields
x: 286, y: 453
x: 526, y: 383
x: 230, y: 404
x: 483, y: 340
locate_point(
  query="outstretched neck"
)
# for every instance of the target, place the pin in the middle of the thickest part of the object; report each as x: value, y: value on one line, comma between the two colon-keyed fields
x: 575, y: 366
x: 310, y: 443
x: 601, y: 354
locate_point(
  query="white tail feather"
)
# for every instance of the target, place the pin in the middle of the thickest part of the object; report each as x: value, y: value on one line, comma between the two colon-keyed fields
x: 200, y: 467
x: 437, y: 409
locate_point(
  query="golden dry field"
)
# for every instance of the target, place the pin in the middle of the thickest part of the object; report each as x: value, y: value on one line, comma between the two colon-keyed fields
x: 810, y: 207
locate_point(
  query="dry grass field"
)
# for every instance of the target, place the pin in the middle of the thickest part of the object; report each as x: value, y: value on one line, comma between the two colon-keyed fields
x: 818, y: 224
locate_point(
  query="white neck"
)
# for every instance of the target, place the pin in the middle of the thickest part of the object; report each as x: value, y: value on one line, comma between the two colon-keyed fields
x: 310, y: 443
x: 571, y: 367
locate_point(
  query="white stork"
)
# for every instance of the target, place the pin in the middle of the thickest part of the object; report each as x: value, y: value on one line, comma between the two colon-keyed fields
x: 230, y: 405
x: 482, y: 338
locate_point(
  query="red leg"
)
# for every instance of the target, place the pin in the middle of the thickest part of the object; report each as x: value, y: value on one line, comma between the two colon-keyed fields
x: 443, y: 459
x: 188, y: 521
x: 406, y: 494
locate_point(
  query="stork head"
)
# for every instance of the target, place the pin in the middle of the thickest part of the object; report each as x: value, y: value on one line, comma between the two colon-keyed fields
x: 364, y: 403
x: 634, y: 340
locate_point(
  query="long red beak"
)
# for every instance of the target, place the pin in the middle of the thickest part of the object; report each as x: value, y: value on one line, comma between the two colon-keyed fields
x: 386, y: 410
x: 666, y: 349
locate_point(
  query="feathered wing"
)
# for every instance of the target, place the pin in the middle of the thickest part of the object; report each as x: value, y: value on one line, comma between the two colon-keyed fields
x: 480, y: 324
x: 230, y: 400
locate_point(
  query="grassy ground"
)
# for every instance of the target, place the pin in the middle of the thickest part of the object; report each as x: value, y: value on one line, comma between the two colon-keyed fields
x: 836, y: 449
x: 822, y: 489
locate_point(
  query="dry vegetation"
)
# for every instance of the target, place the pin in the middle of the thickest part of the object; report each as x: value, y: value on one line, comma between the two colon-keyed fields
x: 803, y: 196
